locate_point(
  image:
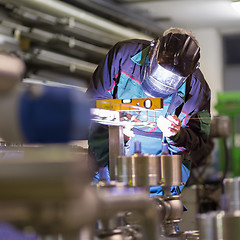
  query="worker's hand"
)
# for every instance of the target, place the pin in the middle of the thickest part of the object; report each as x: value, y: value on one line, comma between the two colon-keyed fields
x: 169, y: 126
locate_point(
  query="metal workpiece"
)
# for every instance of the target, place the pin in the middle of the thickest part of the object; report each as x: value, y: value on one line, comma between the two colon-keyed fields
x: 230, y: 226
x: 116, y: 148
x: 46, y: 188
x: 51, y: 217
x: 222, y: 224
x: 171, y: 174
x: 139, y: 170
x: 170, y: 211
x: 232, y: 194
x: 176, y: 208
x: 210, y: 225
x: 170, y: 208
x: 113, y: 200
x: 191, y: 235
x: 219, y: 225
x: 187, y: 235
x: 38, y: 174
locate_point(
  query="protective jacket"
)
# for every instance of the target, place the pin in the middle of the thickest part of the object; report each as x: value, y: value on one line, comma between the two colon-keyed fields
x: 119, y: 76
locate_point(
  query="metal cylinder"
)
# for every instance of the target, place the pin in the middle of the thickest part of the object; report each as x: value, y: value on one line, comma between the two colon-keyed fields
x: 220, y: 126
x: 210, y: 225
x: 139, y: 170
x: 230, y: 226
x: 219, y: 225
x: 191, y: 235
x: 232, y: 190
x: 43, y: 174
x: 171, y: 170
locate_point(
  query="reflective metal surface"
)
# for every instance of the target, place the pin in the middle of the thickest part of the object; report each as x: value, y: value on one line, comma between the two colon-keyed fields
x: 36, y: 174
x: 171, y: 174
x: 139, y: 170
x: 223, y: 224
x: 231, y: 226
x: 219, y: 225
x: 208, y: 226
x: 232, y: 191
x: 116, y: 148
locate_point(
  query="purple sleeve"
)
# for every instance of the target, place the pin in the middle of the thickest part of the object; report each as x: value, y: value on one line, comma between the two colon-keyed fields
x: 103, y: 80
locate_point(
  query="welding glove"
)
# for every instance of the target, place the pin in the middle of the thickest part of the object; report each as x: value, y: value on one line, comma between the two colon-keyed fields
x: 169, y: 126
x: 128, y: 133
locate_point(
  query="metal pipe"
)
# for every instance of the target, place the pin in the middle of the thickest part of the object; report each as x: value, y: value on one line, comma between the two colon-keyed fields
x: 54, y: 59
x: 41, y: 36
x: 64, y: 26
x: 232, y: 191
x: 63, y: 10
x: 120, y: 13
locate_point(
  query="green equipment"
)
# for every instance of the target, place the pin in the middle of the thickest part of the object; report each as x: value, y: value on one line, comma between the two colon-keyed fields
x: 228, y: 104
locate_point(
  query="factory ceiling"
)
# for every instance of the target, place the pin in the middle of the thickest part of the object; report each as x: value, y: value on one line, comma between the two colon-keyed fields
x: 222, y: 15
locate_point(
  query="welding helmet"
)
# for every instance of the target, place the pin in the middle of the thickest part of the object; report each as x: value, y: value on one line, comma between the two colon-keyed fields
x: 170, y: 61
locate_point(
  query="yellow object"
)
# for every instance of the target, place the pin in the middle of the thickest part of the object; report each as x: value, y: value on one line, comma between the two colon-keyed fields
x: 129, y: 104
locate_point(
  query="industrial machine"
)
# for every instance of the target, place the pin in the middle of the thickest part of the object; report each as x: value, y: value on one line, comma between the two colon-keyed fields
x: 224, y: 223
x: 228, y: 105
x: 140, y: 171
x: 46, y: 183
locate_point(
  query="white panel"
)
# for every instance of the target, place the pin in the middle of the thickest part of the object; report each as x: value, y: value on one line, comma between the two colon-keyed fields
x: 211, y: 61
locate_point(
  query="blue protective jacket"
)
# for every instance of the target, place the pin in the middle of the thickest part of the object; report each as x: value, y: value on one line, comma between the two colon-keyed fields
x: 119, y: 76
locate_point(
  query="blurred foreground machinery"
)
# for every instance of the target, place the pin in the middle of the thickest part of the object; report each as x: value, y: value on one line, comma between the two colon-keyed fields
x: 34, y: 113
x: 224, y: 223
x: 46, y: 184
x: 140, y: 171
x: 49, y: 190
x: 204, y: 189
x: 206, y: 180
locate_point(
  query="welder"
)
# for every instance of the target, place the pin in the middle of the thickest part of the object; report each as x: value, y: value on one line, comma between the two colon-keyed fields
x: 167, y: 67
